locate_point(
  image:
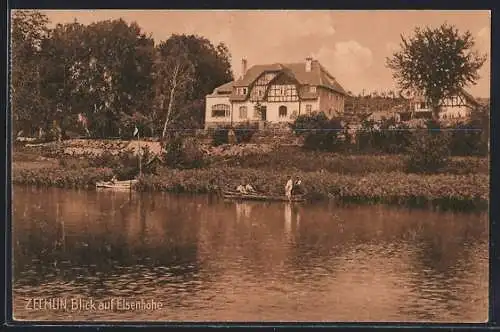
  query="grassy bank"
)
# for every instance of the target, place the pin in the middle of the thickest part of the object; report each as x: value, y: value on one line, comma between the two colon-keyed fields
x: 464, y: 184
x: 60, y: 177
x: 296, y: 159
x: 446, y: 191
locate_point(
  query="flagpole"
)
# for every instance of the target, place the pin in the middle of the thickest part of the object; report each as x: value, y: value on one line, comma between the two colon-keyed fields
x: 140, y: 152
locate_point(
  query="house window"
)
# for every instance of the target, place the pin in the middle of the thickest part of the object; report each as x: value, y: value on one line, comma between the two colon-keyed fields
x: 241, y: 91
x: 243, y: 112
x: 312, y: 89
x: 282, y: 111
x: 422, y: 105
x: 256, y: 112
x: 220, y: 111
x: 308, y: 109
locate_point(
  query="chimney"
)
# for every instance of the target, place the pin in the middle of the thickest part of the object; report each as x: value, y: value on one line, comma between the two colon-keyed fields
x: 243, y: 67
x: 308, y: 64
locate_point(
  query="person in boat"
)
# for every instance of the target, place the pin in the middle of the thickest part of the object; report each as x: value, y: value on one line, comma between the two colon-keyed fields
x: 241, y: 189
x: 114, y: 179
x: 297, y: 187
x: 288, y: 188
x: 249, y: 188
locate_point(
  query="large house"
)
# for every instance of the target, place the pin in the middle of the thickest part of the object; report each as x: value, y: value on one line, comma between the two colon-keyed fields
x: 276, y: 94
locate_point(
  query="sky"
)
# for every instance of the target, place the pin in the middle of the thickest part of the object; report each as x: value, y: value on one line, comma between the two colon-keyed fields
x: 351, y: 45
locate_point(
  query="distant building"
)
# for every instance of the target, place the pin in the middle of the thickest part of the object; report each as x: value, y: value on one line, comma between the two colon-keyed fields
x: 380, y: 116
x: 457, y: 107
x: 275, y: 93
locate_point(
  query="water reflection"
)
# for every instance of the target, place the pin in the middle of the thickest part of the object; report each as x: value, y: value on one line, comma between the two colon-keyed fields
x: 207, y: 259
x: 243, y: 210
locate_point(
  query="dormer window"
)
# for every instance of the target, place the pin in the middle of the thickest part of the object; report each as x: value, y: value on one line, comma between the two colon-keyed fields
x: 241, y: 91
x: 312, y: 89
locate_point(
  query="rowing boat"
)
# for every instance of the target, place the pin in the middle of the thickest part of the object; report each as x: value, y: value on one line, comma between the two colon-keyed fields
x: 236, y: 195
x: 120, y: 185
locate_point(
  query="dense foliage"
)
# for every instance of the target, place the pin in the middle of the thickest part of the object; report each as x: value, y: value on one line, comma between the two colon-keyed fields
x: 386, y: 137
x: 293, y: 160
x: 61, y: 177
x: 450, y: 191
x: 29, y: 30
x: 220, y: 135
x: 106, y: 78
x: 245, y: 131
x: 320, y: 132
x: 183, y: 153
x: 464, y: 181
x: 468, y: 139
x: 439, y: 62
x: 429, y: 151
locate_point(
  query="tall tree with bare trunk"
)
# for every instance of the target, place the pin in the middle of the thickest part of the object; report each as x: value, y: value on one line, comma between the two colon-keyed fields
x: 174, y: 77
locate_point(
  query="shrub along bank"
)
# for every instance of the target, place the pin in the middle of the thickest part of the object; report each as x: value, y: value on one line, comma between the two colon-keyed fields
x: 361, y: 178
x: 446, y: 191
x: 60, y: 177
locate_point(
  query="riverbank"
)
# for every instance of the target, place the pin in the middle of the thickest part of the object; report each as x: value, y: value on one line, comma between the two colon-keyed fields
x: 455, y: 192
x: 351, y: 178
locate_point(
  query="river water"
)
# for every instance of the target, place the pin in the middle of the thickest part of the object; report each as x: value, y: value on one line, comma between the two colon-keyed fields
x: 200, y: 258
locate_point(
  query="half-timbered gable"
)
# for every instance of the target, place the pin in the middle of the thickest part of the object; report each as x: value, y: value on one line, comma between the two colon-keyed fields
x: 283, y: 88
x: 261, y: 85
x: 456, y: 107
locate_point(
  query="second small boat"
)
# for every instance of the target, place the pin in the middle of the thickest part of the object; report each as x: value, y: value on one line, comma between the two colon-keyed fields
x: 118, y: 185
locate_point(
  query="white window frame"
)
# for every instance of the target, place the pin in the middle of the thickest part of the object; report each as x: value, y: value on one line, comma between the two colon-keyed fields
x: 279, y: 111
x: 221, y: 107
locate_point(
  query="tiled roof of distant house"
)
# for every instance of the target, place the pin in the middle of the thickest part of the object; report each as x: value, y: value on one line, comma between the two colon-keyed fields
x: 318, y: 76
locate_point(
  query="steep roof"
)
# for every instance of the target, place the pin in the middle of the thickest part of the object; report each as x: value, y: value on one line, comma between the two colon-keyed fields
x: 255, y: 71
x: 226, y: 87
x: 318, y: 76
x: 463, y: 92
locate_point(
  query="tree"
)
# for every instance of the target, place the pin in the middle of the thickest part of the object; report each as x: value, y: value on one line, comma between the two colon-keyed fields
x: 63, y: 81
x: 118, y: 73
x: 209, y: 68
x: 437, y: 62
x: 29, y: 30
x: 174, y: 74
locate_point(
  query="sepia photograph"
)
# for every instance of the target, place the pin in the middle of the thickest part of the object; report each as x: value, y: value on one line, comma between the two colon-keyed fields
x: 250, y: 165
